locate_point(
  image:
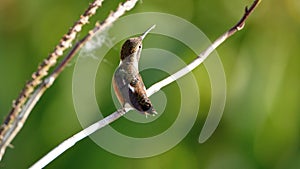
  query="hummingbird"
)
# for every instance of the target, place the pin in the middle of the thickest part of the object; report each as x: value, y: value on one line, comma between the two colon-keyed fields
x: 127, y: 82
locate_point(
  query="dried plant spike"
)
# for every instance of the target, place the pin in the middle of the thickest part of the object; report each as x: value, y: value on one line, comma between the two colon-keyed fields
x: 42, y: 71
x: 17, y: 120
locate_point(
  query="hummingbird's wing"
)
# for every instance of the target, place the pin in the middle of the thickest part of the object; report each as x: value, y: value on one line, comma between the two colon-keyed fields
x: 138, y: 96
x: 120, y: 85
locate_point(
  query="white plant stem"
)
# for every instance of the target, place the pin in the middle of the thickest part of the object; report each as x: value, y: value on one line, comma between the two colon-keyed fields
x: 65, y: 145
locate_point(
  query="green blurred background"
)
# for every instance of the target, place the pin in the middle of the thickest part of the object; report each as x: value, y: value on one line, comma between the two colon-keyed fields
x: 260, y: 125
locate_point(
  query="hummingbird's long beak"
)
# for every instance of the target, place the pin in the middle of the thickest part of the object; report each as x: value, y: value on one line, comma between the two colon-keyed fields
x: 147, y: 31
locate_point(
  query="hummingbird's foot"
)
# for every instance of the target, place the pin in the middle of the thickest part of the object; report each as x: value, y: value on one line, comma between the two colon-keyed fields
x: 121, y: 111
x: 152, y: 113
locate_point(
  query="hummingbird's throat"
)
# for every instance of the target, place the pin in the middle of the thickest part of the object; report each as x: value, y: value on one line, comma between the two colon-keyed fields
x: 131, y: 60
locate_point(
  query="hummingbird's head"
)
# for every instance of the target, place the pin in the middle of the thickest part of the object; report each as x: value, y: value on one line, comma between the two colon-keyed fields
x: 133, y: 46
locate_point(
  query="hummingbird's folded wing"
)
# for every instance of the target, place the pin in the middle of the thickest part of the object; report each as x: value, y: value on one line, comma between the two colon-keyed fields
x: 137, y: 94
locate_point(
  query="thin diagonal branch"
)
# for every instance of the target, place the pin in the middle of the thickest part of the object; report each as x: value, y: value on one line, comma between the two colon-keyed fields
x: 153, y: 89
x: 77, y: 137
x: 201, y: 58
x: 26, y: 100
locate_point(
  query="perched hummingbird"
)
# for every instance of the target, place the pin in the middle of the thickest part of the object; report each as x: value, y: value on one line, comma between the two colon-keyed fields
x: 127, y: 82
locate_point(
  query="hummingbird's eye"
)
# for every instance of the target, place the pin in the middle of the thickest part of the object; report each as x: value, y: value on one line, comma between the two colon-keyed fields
x: 140, y: 46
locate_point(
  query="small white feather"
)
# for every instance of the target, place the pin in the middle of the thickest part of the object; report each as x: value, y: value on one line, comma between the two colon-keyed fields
x: 131, y: 88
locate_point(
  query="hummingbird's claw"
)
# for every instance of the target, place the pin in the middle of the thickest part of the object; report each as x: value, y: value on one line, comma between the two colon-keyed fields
x: 153, y: 113
x: 122, y: 111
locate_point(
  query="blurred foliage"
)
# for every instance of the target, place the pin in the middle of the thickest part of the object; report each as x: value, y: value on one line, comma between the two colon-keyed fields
x: 260, y: 125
